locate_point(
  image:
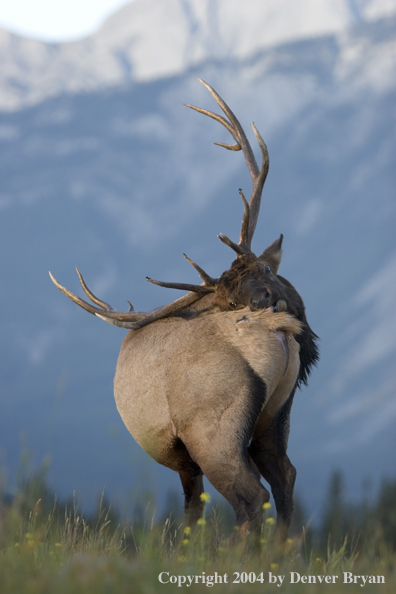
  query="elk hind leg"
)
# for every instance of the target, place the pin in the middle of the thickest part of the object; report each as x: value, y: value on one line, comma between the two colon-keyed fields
x: 193, y: 488
x: 231, y: 473
x: 268, y: 452
x: 280, y: 473
x: 178, y: 458
x: 241, y: 486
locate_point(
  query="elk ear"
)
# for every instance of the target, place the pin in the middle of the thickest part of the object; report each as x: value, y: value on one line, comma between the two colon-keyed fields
x: 273, y: 254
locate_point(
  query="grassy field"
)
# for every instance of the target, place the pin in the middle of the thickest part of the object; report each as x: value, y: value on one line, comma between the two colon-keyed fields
x: 54, y: 549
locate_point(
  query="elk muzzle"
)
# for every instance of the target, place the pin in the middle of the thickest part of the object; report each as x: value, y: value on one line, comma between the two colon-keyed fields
x: 260, y: 299
x: 261, y: 295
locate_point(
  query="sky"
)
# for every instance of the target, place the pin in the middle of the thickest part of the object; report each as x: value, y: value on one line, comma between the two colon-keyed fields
x: 56, y: 20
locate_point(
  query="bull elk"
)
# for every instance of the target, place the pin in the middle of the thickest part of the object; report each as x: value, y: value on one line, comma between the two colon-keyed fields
x: 206, y: 383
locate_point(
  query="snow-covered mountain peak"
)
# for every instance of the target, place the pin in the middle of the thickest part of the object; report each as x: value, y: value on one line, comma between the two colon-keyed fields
x: 151, y: 39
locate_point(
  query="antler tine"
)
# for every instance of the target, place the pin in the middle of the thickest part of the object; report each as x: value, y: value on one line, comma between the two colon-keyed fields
x: 87, y: 306
x: 238, y: 134
x: 152, y: 316
x: 224, y: 122
x: 182, y: 286
x: 255, y: 198
x: 240, y: 248
x: 93, y: 298
x: 244, y: 237
x: 208, y: 286
x: 130, y: 319
x: 258, y: 175
x: 208, y: 280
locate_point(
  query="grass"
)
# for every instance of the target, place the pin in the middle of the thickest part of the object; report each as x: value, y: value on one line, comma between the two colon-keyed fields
x: 48, y: 549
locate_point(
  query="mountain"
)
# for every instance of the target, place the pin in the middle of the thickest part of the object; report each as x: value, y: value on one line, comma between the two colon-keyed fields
x: 103, y: 167
x: 147, y: 40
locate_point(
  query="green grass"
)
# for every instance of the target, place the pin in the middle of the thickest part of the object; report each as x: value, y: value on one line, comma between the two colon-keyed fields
x: 55, y: 549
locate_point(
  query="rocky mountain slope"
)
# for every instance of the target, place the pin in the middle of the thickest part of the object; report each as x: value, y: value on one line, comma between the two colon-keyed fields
x: 103, y: 167
x: 148, y: 39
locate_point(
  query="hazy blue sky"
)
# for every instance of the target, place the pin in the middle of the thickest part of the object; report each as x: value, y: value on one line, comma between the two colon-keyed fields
x: 55, y: 20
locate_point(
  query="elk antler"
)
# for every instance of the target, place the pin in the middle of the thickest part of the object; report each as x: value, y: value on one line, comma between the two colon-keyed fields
x: 135, y: 319
x: 251, y: 212
x: 208, y: 286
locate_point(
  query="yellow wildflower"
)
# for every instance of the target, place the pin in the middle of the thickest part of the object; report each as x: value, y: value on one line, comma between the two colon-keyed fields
x: 205, y: 497
x: 270, y: 521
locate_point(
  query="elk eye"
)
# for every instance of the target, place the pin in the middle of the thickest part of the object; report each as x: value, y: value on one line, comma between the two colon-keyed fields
x: 268, y: 268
